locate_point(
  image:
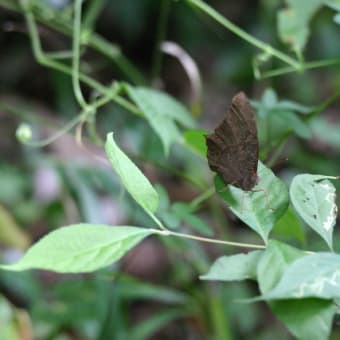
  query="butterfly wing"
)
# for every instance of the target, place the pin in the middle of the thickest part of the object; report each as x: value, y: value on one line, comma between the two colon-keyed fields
x: 233, y: 147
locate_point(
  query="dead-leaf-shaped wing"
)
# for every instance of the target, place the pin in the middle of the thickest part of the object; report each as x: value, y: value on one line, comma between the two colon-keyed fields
x: 233, y: 147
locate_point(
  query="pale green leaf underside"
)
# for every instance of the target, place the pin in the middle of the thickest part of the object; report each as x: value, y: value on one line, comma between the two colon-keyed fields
x: 162, y: 112
x: 234, y: 268
x: 311, y: 317
x: 260, y: 208
x: 132, y: 178
x: 80, y: 248
x: 316, y: 275
x: 313, y: 197
x: 293, y: 22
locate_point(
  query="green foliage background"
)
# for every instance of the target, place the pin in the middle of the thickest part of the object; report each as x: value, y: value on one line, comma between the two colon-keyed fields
x: 288, y: 64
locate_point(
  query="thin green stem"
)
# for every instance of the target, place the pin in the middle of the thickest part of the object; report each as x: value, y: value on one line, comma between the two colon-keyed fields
x: 59, y: 23
x: 202, y: 197
x: 42, y: 59
x: 210, y: 240
x: 59, y: 55
x: 92, y: 12
x: 161, y: 33
x: 92, y: 131
x: 329, y: 101
x: 58, y: 134
x: 76, y: 55
x: 24, y: 114
x: 308, y: 65
x: 81, y: 116
x: 276, y: 154
x: 244, y: 35
x: 172, y: 170
x: 157, y: 221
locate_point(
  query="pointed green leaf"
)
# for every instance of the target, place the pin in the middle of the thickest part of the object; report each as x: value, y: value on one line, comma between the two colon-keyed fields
x: 289, y: 225
x: 308, y: 318
x: 183, y: 212
x: 336, y: 18
x: 161, y: 111
x: 316, y: 275
x: 234, y: 268
x: 293, y: 22
x: 195, y: 139
x: 132, y: 178
x: 276, y: 258
x: 260, y: 208
x: 326, y: 131
x: 146, y: 328
x: 131, y: 288
x: 313, y: 197
x: 80, y: 248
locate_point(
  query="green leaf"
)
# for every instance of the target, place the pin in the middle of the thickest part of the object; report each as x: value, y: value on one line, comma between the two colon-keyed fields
x: 161, y: 111
x: 11, y: 327
x: 146, y: 328
x: 293, y: 22
x: 195, y: 139
x: 280, y: 122
x: 234, y: 268
x: 131, y: 288
x: 132, y: 178
x: 183, y: 212
x: 315, y: 275
x: 308, y: 318
x: 326, y: 131
x: 313, y: 197
x: 336, y: 18
x: 10, y: 233
x: 334, y: 4
x: 293, y: 106
x: 289, y: 225
x: 80, y: 248
x: 260, y: 208
x: 277, y: 118
x: 85, y: 194
x: 269, y: 98
x: 276, y: 258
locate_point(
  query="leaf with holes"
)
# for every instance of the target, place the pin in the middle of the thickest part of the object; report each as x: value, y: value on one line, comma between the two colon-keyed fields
x: 260, y: 208
x: 316, y: 275
x: 313, y: 197
x: 80, y: 248
x: 306, y: 318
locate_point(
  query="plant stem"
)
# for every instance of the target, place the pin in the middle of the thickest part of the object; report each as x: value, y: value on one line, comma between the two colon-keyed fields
x: 244, y: 35
x: 308, y: 65
x: 42, y: 59
x: 158, y: 222
x: 329, y: 101
x: 202, y: 197
x: 40, y: 143
x: 76, y: 55
x: 58, y: 23
x: 92, y: 12
x: 210, y: 240
x: 161, y: 33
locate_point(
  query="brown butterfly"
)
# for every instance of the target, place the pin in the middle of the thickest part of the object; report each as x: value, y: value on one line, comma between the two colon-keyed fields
x: 233, y: 149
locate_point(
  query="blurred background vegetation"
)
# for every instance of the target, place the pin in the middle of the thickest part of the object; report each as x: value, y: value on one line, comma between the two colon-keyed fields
x: 154, y: 293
